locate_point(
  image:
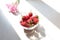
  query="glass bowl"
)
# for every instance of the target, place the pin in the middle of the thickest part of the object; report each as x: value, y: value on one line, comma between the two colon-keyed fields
x: 29, y: 28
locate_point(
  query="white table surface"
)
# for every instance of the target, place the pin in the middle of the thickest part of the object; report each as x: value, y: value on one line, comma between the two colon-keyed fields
x: 54, y: 4
x: 51, y: 31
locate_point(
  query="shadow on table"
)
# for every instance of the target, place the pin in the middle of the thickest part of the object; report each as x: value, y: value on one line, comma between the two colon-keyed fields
x: 36, y: 34
x: 47, y: 11
x: 6, y: 30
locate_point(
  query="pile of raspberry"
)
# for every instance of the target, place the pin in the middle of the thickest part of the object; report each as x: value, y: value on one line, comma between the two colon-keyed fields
x: 29, y: 20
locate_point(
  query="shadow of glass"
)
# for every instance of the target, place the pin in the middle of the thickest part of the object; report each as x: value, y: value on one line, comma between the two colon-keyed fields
x: 47, y: 11
x: 35, y: 34
x: 41, y: 30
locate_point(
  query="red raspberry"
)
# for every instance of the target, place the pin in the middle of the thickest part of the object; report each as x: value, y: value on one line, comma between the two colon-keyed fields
x: 29, y: 20
x: 23, y: 23
x: 30, y: 14
x: 27, y: 25
x: 27, y: 17
x: 36, y: 16
x: 35, y: 20
x: 23, y: 18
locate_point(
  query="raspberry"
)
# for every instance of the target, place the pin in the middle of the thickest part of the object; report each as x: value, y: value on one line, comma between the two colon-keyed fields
x: 27, y: 17
x: 23, y: 23
x: 23, y: 18
x: 28, y: 21
x: 35, y: 20
x: 30, y: 14
x: 36, y: 16
x: 27, y: 25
